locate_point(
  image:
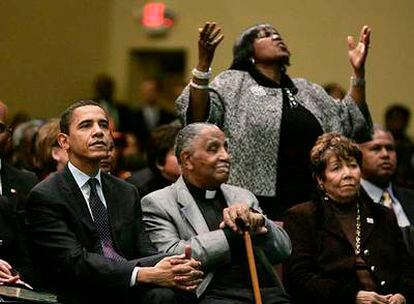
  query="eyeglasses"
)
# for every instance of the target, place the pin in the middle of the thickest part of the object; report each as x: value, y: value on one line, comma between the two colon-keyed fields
x: 4, y: 128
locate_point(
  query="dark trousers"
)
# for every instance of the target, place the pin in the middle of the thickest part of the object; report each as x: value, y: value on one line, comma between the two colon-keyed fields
x: 272, y: 295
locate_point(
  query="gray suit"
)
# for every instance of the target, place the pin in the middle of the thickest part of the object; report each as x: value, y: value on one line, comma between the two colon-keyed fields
x: 173, y: 220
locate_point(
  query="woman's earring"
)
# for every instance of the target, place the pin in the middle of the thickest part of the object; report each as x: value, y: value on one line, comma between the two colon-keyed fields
x: 252, y: 60
x: 324, y: 195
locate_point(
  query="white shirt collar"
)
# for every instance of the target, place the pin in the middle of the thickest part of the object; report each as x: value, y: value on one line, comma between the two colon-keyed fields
x: 373, y: 191
x: 82, y: 178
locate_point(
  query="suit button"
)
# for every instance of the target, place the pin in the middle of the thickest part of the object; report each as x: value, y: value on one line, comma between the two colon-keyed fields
x: 366, y: 252
x: 382, y: 283
x: 373, y: 268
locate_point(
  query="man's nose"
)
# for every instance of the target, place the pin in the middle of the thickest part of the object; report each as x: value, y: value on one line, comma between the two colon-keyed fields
x: 384, y: 152
x: 98, y: 130
x: 224, y: 155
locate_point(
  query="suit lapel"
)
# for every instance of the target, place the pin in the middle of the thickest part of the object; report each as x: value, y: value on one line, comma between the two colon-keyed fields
x: 6, y: 181
x: 229, y: 196
x: 76, y: 199
x: 367, y: 222
x: 189, y: 208
x: 406, y: 199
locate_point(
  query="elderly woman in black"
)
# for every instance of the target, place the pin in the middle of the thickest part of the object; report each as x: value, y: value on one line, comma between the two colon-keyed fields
x: 272, y: 121
x: 346, y: 249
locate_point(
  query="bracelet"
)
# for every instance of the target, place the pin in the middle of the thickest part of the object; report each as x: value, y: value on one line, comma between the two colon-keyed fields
x: 201, y: 75
x: 199, y: 86
x: 357, y: 82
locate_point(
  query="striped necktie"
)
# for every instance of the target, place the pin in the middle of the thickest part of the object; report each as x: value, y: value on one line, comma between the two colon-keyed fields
x: 386, y: 199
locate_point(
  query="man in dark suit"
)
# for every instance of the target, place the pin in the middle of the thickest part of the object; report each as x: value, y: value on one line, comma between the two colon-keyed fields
x: 163, y: 168
x: 86, y: 227
x: 378, y: 168
x: 150, y: 113
x: 14, y: 187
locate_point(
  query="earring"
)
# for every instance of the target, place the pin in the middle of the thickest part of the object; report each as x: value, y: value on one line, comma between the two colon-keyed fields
x: 252, y: 60
x: 324, y: 195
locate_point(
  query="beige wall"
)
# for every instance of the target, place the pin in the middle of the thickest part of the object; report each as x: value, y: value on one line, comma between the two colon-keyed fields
x: 54, y: 48
x: 50, y: 51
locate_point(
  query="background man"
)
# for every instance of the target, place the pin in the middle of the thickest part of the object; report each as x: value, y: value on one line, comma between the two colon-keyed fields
x: 86, y: 227
x: 14, y: 187
x: 163, y: 168
x: 378, y: 167
x: 200, y: 210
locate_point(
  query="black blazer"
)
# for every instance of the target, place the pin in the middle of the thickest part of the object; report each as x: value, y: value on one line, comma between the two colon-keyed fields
x: 321, y: 268
x: 16, y: 185
x: 136, y: 124
x: 406, y: 198
x: 66, y: 244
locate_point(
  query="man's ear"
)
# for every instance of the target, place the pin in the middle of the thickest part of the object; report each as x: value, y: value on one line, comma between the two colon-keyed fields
x: 186, y: 160
x: 63, y: 140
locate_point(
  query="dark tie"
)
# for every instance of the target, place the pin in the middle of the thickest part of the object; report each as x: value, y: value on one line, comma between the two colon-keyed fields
x: 100, y: 216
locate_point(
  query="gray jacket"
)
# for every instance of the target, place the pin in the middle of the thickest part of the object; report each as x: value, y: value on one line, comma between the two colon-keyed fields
x: 250, y: 115
x: 173, y: 220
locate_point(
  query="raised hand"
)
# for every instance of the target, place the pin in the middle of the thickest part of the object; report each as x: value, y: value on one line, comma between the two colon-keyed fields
x: 358, y: 52
x: 210, y: 37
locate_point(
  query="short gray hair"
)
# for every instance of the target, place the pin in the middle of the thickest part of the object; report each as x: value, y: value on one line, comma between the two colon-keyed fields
x: 186, y: 136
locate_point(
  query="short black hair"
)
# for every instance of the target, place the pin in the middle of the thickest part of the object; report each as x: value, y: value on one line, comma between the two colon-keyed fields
x: 398, y: 109
x: 66, y: 117
x: 243, y: 49
x: 161, y: 141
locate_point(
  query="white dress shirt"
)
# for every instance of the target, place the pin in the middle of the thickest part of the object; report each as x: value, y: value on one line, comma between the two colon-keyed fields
x: 81, y: 179
x: 376, y: 192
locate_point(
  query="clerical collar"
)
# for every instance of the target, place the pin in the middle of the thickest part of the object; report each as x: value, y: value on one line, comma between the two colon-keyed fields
x: 200, y: 193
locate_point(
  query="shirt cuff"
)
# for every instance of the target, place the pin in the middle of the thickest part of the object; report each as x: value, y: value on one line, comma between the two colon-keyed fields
x: 134, y: 275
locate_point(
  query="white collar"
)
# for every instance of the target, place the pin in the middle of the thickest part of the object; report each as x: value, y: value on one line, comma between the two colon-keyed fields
x: 81, y: 177
x: 374, y: 191
x: 210, y: 194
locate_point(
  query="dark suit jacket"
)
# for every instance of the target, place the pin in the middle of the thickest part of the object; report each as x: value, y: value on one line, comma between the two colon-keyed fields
x: 406, y: 198
x: 147, y: 181
x: 321, y: 268
x: 16, y: 185
x: 136, y: 124
x: 66, y: 244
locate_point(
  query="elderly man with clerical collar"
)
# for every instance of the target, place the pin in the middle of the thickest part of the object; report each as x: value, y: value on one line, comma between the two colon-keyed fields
x: 86, y: 227
x: 200, y: 210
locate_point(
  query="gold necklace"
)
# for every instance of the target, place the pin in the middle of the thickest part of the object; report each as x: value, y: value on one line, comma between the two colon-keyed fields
x: 358, y: 231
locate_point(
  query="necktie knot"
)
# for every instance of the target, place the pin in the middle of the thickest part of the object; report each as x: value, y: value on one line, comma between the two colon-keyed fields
x: 92, y: 182
x: 386, y: 199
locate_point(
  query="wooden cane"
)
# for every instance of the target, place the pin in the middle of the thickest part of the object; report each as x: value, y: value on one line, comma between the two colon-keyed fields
x: 250, y: 258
